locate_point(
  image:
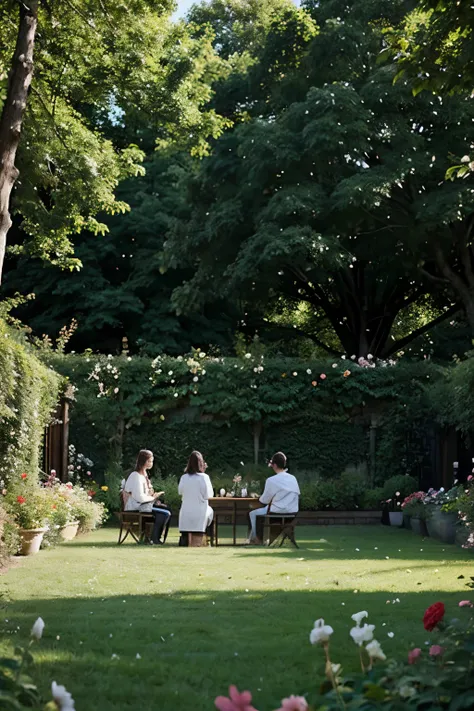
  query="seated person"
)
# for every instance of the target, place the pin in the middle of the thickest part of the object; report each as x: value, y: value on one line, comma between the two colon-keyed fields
x: 138, y: 495
x: 281, y: 490
x: 195, y: 487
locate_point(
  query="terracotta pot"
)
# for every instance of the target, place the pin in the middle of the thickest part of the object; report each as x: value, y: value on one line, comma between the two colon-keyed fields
x: 69, y: 531
x: 30, y: 540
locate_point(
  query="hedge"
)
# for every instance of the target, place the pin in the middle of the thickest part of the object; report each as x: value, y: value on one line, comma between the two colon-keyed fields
x: 28, y: 396
x: 319, y: 413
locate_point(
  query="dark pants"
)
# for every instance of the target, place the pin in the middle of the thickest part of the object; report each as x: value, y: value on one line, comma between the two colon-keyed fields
x: 161, y: 526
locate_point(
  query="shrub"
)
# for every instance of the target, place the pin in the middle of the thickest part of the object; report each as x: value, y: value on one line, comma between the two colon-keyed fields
x: 28, y: 395
x: 399, y: 487
x: 372, y: 499
x: 90, y: 514
x: 9, y: 536
x: 29, y: 504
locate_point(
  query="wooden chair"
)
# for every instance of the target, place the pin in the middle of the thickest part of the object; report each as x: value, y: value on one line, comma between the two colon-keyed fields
x: 132, y: 523
x: 279, y: 527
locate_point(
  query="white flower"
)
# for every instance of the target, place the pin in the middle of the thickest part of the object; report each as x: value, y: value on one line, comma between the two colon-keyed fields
x: 295, y: 374
x: 63, y: 698
x: 359, y: 616
x: 407, y: 691
x: 320, y: 633
x: 309, y: 371
x: 37, y: 629
x: 369, y: 356
x: 195, y: 379
x: 248, y: 355
x: 202, y: 355
x: 362, y: 634
x: 336, y: 668
x: 374, y: 650
x: 353, y: 357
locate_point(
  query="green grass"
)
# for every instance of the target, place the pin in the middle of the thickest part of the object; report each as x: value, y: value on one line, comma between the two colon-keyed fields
x: 204, y: 618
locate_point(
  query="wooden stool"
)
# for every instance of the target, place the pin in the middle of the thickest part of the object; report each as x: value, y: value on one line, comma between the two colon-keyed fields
x: 195, y: 540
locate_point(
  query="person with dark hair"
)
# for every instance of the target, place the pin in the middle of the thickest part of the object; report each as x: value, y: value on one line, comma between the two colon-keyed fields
x: 281, y: 491
x: 138, y: 495
x: 195, y: 488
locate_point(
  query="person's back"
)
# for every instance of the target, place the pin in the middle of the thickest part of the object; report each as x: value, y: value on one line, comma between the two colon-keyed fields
x: 283, y: 491
x: 281, y: 494
x: 195, y: 489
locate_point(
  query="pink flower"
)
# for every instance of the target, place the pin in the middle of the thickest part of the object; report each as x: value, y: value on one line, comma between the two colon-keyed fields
x: 436, y: 650
x: 466, y: 603
x: 322, y: 376
x: 470, y: 477
x: 294, y: 703
x: 237, y: 701
x: 413, y: 655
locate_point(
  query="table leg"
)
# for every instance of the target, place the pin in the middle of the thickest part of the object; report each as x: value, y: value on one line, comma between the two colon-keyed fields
x: 235, y: 523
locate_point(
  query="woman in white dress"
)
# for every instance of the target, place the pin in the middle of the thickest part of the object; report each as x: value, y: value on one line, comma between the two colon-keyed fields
x: 195, y: 488
x: 138, y: 495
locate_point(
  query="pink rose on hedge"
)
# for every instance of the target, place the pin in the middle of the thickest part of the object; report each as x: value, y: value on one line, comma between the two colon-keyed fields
x: 294, y: 703
x: 413, y: 655
x: 322, y: 376
x: 436, y: 650
x: 237, y: 702
x: 466, y: 603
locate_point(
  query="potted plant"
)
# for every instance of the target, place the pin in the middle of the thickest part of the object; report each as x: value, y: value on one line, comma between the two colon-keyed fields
x: 30, y: 508
x: 465, y: 504
x: 394, y: 491
x: 413, y: 506
x: 443, y: 508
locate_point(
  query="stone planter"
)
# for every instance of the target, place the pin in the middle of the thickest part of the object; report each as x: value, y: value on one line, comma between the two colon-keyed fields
x: 30, y: 540
x: 418, y: 525
x: 69, y: 531
x: 442, y: 526
x: 396, y: 518
x: 406, y: 521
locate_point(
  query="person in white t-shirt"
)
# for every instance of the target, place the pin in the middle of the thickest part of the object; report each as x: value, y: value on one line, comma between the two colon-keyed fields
x: 281, y: 490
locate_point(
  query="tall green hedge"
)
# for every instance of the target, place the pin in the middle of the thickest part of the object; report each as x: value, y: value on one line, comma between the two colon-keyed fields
x: 28, y: 396
x: 319, y: 413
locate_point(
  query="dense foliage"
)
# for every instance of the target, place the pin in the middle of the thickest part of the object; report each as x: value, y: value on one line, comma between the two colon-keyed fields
x: 240, y: 409
x: 28, y: 396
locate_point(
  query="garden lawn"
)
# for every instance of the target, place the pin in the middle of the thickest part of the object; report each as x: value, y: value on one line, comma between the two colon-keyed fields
x: 136, y: 627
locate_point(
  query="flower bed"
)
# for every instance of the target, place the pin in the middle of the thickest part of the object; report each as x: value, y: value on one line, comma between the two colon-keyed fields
x: 439, y: 678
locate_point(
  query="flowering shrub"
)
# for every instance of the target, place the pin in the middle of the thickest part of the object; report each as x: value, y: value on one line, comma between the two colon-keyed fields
x: 28, y: 396
x: 17, y: 688
x: 28, y: 503
x: 466, y: 511
x: 440, y: 678
x: 413, y: 504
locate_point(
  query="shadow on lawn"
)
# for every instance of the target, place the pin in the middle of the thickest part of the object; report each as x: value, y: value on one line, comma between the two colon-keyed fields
x: 192, y: 644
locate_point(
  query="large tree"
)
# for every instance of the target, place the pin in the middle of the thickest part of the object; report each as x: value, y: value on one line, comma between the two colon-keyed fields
x: 121, y: 291
x: 333, y: 193
x: 73, y: 69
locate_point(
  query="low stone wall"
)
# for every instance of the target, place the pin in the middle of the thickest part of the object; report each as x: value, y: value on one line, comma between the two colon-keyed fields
x: 339, y: 518
x: 319, y: 518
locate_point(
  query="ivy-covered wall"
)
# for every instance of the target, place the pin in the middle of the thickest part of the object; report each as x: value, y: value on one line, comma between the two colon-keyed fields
x: 28, y: 397
x: 319, y: 413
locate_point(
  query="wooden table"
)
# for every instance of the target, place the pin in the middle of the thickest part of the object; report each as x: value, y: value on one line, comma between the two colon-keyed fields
x: 231, y: 507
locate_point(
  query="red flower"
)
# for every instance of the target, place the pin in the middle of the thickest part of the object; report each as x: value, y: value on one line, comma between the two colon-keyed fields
x: 91, y: 493
x: 21, y: 499
x: 24, y: 476
x: 433, y: 616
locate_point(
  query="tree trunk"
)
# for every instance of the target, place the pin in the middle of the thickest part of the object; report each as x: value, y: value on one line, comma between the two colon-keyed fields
x: 13, y: 113
x: 257, y: 431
